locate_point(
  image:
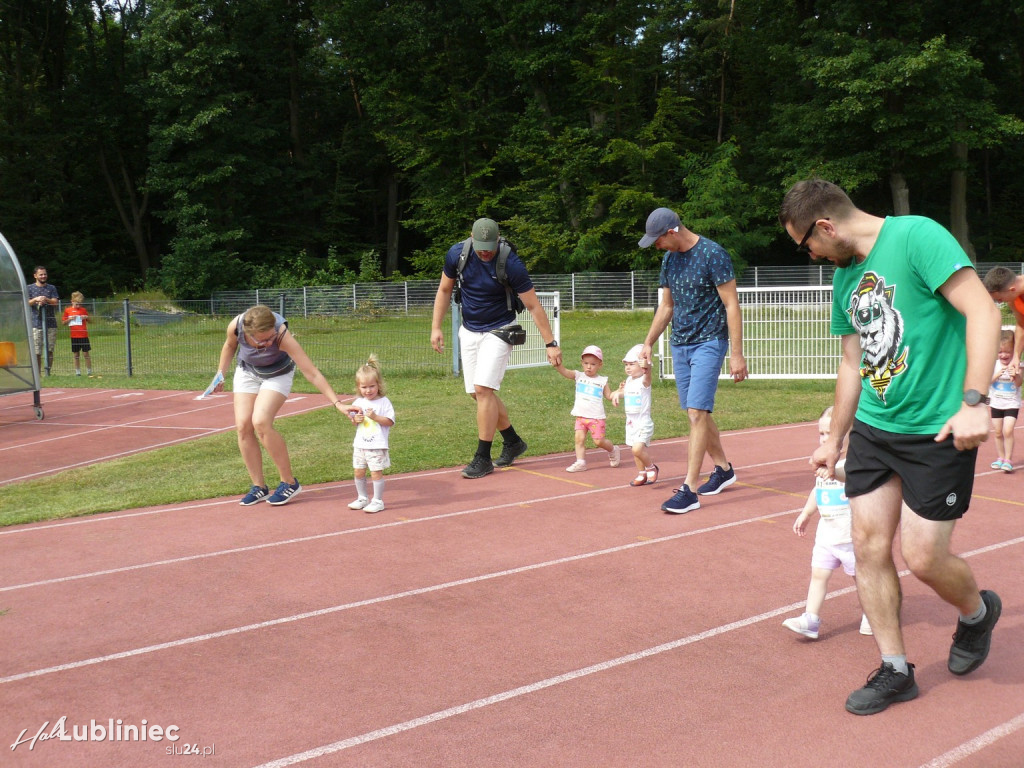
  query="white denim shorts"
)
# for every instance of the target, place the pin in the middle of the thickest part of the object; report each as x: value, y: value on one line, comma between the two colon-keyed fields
x: 373, y: 459
x: 639, y: 431
x: 484, y: 359
x: 249, y: 383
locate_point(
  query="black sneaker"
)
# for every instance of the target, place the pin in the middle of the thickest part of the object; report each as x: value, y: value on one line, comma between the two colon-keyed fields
x: 478, y: 467
x: 885, y: 686
x: 682, y: 502
x: 510, y: 452
x: 971, y: 641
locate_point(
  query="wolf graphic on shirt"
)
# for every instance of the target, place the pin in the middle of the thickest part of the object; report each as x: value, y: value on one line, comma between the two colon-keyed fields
x: 880, y: 327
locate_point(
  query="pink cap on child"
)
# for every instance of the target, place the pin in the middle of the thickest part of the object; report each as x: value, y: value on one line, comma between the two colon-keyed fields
x: 593, y: 350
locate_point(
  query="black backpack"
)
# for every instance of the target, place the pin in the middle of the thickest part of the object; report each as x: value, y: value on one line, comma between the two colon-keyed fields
x: 512, y: 300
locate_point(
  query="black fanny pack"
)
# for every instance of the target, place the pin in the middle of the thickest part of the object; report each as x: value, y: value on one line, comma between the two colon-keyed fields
x: 278, y: 368
x: 513, y: 334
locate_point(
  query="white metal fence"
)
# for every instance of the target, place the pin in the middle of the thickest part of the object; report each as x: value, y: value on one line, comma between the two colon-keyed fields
x: 785, y: 326
x: 785, y: 334
x: 533, y: 353
x: 579, y: 290
x: 601, y: 290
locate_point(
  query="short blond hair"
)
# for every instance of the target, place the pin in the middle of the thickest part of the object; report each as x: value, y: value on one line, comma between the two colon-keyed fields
x: 77, y: 297
x: 371, y: 370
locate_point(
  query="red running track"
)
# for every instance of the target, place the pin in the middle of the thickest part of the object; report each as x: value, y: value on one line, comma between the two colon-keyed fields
x: 86, y: 426
x: 529, y: 618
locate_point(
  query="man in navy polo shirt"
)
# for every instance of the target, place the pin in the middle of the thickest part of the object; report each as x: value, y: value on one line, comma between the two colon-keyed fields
x: 485, y: 308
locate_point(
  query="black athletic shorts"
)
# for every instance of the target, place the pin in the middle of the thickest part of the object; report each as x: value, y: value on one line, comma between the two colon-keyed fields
x: 80, y: 345
x: 937, y: 478
x: 1003, y: 413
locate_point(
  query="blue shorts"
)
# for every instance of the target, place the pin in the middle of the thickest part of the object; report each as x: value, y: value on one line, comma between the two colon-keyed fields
x: 696, y: 368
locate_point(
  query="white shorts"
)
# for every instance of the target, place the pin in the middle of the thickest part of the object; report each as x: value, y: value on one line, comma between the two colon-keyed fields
x: 638, y: 431
x: 831, y: 556
x: 247, y: 382
x: 484, y: 359
x: 373, y: 459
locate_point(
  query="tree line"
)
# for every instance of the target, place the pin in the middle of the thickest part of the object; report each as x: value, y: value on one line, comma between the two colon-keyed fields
x: 196, y: 145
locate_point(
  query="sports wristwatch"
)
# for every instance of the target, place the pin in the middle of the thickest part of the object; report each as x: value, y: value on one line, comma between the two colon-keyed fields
x: 973, y: 397
x: 552, y: 343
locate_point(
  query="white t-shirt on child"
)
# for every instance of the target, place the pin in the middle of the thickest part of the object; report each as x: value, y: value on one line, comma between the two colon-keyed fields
x: 834, y: 510
x: 1003, y: 394
x: 370, y: 434
x: 589, y: 396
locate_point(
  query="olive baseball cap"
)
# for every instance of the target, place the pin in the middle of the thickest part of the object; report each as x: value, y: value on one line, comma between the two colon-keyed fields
x: 485, y: 235
x: 659, y: 222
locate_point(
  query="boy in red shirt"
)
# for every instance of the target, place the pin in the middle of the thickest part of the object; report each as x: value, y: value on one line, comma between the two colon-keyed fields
x: 77, y: 318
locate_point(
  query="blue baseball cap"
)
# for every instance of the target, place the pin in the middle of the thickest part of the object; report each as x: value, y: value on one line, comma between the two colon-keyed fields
x: 659, y: 222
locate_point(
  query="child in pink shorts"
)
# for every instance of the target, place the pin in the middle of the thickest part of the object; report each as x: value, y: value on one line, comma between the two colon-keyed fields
x: 591, y: 392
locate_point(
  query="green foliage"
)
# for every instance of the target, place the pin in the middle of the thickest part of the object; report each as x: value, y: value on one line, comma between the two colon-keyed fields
x: 208, y: 144
x: 301, y: 270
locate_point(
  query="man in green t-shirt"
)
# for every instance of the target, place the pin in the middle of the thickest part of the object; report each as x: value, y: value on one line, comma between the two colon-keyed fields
x: 919, y: 338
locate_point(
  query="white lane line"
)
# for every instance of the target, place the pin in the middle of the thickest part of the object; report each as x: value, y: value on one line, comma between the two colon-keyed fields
x: 389, y: 598
x: 461, y: 709
x: 298, y: 540
x: 943, y: 761
x: 525, y: 690
x: 977, y: 744
x: 96, y: 519
x: 462, y: 582
x: 202, y: 432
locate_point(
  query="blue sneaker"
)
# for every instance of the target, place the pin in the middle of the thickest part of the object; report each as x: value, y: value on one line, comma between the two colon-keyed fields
x: 256, y: 493
x: 720, y: 479
x: 284, y: 493
x: 682, y: 502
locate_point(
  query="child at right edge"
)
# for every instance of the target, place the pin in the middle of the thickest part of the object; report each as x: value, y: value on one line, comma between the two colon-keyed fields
x: 1004, y: 401
x: 833, y: 542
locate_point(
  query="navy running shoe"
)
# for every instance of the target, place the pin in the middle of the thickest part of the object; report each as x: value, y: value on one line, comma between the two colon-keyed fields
x: 682, y: 502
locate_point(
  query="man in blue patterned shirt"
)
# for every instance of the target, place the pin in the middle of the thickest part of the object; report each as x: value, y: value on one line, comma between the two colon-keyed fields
x: 42, y: 298
x: 698, y: 296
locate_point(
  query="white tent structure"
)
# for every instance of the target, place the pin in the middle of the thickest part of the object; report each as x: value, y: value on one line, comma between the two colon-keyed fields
x: 18, y: 369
